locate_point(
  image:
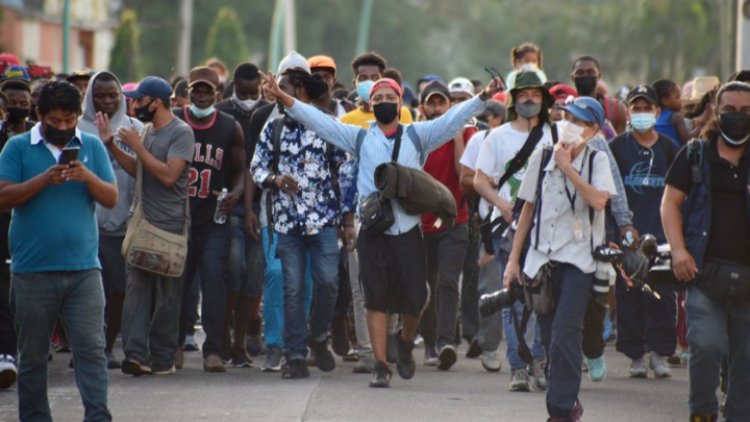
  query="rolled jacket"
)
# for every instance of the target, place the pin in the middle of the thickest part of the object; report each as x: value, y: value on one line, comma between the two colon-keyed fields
x: 416, y: 191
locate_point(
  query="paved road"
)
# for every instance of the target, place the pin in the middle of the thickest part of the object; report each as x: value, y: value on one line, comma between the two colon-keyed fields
x: 466, y: 393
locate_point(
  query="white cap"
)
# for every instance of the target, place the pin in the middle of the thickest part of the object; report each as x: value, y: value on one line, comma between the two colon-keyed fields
x: 293, y: 60
x: 461, y: 85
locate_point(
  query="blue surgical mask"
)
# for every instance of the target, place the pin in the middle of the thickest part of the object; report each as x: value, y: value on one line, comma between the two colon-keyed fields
x: 363, y: 90
x: 642, y: 122
x: 201, y: 113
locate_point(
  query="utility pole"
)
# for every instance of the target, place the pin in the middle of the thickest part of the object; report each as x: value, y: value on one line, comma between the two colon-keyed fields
x: 290, y: 26
x: 186, y: 31
x: 274, y: 44
x: 364, y: 27
x: 742, y: 37
x: 66, y: 36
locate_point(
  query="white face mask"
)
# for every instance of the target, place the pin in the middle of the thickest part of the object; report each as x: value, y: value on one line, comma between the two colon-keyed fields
x: 570, y: 133
x: 245, y: 104
x: 529, y: 67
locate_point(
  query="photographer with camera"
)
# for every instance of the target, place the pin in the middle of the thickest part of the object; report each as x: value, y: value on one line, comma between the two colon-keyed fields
x: 645, y: 323
x: 566, y: 191
x: 706, y: 216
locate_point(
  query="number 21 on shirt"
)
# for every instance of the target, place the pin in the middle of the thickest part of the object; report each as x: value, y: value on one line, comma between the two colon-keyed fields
x: 204, y: 177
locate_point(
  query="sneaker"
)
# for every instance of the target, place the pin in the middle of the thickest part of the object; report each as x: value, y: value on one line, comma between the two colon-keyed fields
x: 638, y: 368
x: 364, y: 365
x: 519, y: 380
x: 430, y: 355
x: 190, y: 344
x: 163, y: 371
x: 112, y: 361
x: 537, y: 372
x: 295, y: 368
x: 323, y: 357
x: 491, y: 361
x: 475, y: 350
x: 447, y: 357
x: 135, y: 368
x: 8, y: 371
x: 658, y: 364
x: 597, y: 369
x: 240, y: 359
x: 391, y: 349
x: 405, y: 363
x: 213, y: 363
x: 351, y: 356
x: 274, y: 358
x: 381, y: 376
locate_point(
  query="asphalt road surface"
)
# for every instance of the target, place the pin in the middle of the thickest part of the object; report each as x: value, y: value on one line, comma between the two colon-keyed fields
x: 466, y: 393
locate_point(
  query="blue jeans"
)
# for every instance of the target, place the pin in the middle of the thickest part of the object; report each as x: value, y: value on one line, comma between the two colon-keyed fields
x: 324, y: 254
x: 245, y: 261
x: 273, y: 293
x: 562, y: 335
x: 77, y: 297
x: 713, y: 329
x: 537, y: 350
x: 208, y: 253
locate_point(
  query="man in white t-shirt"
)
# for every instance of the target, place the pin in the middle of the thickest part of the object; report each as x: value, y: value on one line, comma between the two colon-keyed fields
x: 530, y: 104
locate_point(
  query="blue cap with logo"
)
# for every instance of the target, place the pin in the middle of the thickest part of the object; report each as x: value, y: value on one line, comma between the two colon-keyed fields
x: 586, y: 109
x: 151, y: 86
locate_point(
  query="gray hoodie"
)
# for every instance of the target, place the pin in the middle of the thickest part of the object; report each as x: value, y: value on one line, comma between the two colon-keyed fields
x: 112, y: 222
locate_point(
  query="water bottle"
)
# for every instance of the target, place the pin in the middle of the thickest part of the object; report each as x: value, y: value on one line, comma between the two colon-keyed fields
x: 220, y: 217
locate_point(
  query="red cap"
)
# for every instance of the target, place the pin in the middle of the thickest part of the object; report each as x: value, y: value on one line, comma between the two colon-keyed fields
x: 386, y: 83
x: 562, y: 91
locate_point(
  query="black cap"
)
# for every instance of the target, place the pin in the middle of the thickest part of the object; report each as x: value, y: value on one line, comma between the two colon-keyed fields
x: 434, y: 87
x: 647, y: 92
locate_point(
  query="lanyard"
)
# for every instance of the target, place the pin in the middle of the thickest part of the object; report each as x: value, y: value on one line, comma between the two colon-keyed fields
x: 572, y: 198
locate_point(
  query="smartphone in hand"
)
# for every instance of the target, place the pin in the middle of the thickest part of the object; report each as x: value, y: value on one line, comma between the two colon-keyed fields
x: 69, y: 154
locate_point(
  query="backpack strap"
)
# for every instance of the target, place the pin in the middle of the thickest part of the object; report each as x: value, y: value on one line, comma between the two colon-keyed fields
x: 277, y: 126
x: 546, y: 156
x: 360, y: 140
x: 591, y: 209
x: 417, y: 142
x: 695, y: 158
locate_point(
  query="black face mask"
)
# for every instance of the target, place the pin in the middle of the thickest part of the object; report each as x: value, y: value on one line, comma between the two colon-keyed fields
x: 144, y: 114
x: 17, y: 115
x: 58, y: 137
x: 385, y: 113
x: 735, y: 128
x: 585, y: 85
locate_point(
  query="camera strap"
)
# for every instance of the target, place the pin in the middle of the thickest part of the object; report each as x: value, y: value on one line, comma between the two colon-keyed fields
x: 520, y: 328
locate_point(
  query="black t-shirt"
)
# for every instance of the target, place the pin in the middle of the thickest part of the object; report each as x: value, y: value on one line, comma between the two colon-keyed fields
x: 244, y: 119
x: 643, y: 171
x: 729, y: 236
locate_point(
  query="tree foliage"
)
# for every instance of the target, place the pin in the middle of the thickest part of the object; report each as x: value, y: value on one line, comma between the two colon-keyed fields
x: 226, y: 40
x: 635, y: 40
x: 124, y: 60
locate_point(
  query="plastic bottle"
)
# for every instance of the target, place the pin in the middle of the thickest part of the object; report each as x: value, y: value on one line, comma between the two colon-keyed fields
x: 220, y: 217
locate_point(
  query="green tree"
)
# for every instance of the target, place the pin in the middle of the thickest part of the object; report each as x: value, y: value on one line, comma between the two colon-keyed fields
x: 226, y: 39
x: 124, y: 59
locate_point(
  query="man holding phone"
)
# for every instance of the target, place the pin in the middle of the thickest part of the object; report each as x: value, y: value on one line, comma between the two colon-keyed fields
x: 53, y: 240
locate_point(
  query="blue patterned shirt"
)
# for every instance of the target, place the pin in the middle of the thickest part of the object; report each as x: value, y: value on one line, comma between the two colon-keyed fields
x: 305, y: 157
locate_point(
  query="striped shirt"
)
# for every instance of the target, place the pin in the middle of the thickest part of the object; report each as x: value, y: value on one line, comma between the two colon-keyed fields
x: 377, y: 148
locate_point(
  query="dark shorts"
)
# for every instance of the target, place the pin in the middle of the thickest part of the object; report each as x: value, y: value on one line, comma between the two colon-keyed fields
x: 393, y: 272
x: 113, y: 264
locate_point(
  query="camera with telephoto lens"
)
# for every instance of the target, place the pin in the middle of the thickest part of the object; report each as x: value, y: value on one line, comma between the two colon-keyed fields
x: 650, y: 264
x: 606, y: 258
x: 491, y: 303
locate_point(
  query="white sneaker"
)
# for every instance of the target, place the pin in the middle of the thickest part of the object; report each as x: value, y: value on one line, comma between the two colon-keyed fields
x: 8, y: 372
x: 491, y: 361
x: 658, y: 364
x: 638, y: 369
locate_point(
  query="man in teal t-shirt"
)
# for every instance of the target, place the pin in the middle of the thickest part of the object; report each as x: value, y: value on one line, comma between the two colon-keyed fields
x: 55, y: 271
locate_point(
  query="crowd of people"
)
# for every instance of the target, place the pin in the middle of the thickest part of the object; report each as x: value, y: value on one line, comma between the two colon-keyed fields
x: 307, y: 217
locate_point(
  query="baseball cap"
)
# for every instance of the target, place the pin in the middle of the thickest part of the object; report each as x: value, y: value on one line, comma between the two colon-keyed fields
x: 16, y: 72
x: 647, y: 92
x: 151, y: 86
x: 562, y: 92
x: 203, y: 74
x: 429, y: 78
x: 461, y: 85
x: 293, y: 60
x: 586, y: 109
x: 386, y: 83
x: 434, y: 88
x: 320, y: 61
x: 500, y: 97
x: 80, y: 73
